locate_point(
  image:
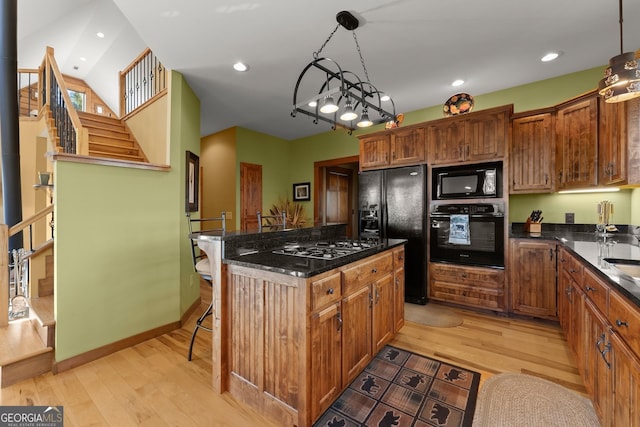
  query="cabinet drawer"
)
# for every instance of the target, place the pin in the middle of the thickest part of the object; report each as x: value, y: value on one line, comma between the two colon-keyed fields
x: 398, y: 258
x: 596, y: 291
x: 571, y: 264
x: 625, y: 319
x: 325, y: 291
x: 366, y: 272
x: 484, y: 277
x: 466, y: 294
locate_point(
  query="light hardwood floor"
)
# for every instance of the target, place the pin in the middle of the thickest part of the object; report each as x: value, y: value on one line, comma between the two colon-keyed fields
x: 153, y: 384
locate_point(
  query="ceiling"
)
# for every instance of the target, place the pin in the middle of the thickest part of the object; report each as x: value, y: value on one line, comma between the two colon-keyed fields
x: 413, y: 49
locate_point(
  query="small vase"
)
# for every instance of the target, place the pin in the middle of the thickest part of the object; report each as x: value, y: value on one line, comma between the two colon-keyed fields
x: 44, y: 177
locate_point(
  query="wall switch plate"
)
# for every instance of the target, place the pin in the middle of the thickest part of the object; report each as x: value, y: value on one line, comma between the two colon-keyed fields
x: 229, y: 214
x: 569, y: 218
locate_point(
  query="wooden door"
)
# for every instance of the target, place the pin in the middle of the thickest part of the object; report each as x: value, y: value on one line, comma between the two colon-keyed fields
x: 326, y: 366
x: 532, y: 154
x: 533, y: 285
x: 597, y: 361
x: 398, y: 304
x: 626, y: 384
x: 338, y: 197
x: 486, y: 136
x: 446, y: 141
x: 383, y: 320
x: 374, y: 151
x: 576, y: 144
x: 356, y: 333
x: 612, y: 143
x: 408, y: 146
x: 250, y: 195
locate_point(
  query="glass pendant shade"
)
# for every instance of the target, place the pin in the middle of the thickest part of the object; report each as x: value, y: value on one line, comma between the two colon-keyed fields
x: 348, y: 114
x: 329, y: 106
x: 364, y: 121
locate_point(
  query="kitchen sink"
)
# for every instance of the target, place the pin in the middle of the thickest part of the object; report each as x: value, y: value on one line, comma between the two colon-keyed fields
x: 628, y: 267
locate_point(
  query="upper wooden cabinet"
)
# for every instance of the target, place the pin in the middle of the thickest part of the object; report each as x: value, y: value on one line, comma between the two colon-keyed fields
x: 396, y: 147
x: 408, y: 146
x: 479, y: 136
x: 619, y: 143
x: 612, y: 143
x: 532, y: 156
x: 374, y: 151
x: 576, y: 144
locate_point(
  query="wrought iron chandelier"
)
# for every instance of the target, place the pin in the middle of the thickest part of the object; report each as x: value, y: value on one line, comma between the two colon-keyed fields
x: 621, y: 80
x: 324, y: 91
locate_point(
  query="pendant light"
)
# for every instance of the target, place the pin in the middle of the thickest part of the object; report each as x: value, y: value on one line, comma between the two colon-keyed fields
x: 348, y: 95
x: 621, y: 80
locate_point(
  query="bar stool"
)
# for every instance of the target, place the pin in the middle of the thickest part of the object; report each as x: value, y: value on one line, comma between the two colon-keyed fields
x: 202, y: 265
x: 271, y: 221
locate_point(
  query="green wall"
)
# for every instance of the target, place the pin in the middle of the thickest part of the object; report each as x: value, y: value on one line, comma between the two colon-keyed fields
x: 121, y: 254
x: 554, y: 206
x: 274, y: 154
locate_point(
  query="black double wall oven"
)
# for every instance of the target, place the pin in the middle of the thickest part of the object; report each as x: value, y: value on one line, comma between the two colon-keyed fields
x: 467, y: 232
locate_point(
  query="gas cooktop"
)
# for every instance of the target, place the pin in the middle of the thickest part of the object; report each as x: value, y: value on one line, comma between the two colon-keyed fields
x: 326, y: 250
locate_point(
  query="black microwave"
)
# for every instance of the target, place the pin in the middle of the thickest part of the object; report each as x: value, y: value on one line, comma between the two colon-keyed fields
x: 467, y: 181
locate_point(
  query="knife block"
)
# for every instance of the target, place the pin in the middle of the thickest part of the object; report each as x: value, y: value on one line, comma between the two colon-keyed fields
x: 532, y: 227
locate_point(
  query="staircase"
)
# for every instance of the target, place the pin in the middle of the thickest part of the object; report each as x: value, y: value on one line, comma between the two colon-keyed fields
x: 110, y: 137
x: 27, y: 348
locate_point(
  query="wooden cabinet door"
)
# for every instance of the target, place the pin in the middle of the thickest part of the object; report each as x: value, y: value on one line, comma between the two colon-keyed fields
x: 612, y: 143
x: 374, y: 151
x: 356, y: 333
x: 326, y: 351
x: 626, y: 384
x: 408, y: 146
x: 486, y: 136
x: 446, y: 141
x: 532, y: 154
x: 382, y: 313
x: 576, y: 149
x: 564, y: 300
x: 398, y: 305
x: 533, y: 284
x: 597, y: 358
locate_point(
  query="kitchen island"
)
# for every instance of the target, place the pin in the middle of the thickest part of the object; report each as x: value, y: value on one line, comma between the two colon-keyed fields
x: 291, y: 333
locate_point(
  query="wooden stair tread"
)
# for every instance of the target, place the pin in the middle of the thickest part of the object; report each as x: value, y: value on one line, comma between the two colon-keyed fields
x: 20, y: 341
x: 42, y: 310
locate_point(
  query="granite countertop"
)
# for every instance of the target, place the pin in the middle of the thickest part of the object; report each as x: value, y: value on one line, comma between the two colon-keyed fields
x: 593, y: 248
x: 304, y: 267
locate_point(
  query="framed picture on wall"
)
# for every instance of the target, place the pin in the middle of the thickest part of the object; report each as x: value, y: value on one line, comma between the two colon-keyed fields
x: 192, y: 182
x: 301, y: 191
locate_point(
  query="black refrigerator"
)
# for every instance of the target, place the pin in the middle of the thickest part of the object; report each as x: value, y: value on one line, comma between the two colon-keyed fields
x: 393, y: 204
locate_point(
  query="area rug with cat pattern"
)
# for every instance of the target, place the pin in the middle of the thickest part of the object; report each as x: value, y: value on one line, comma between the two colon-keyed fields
x: 400, y: 388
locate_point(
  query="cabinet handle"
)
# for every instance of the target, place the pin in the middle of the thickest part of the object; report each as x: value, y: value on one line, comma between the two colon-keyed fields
x: 374, y: 270
x: 621, y: 323
x: 550, y: 254
x: 590, y: 289
x: 330, y: 291
x: 562, y: 260
x: 464, y: 275
x: 560, y: 177
x: 467, y: 151
x: 599, y: 342
x: 393, y: 155
x: 339, y: 317
x: 607, y: 349
x: 546, y: 178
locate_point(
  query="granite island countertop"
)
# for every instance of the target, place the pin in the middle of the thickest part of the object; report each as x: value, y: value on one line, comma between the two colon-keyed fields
x: 593, y: 248
x: 305, y: 267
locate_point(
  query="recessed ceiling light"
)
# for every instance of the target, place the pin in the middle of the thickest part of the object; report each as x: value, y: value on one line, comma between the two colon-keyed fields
x: 457, y: 82
x: 550, y: 56
x: 100, y: 34
x: 239, y: 66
